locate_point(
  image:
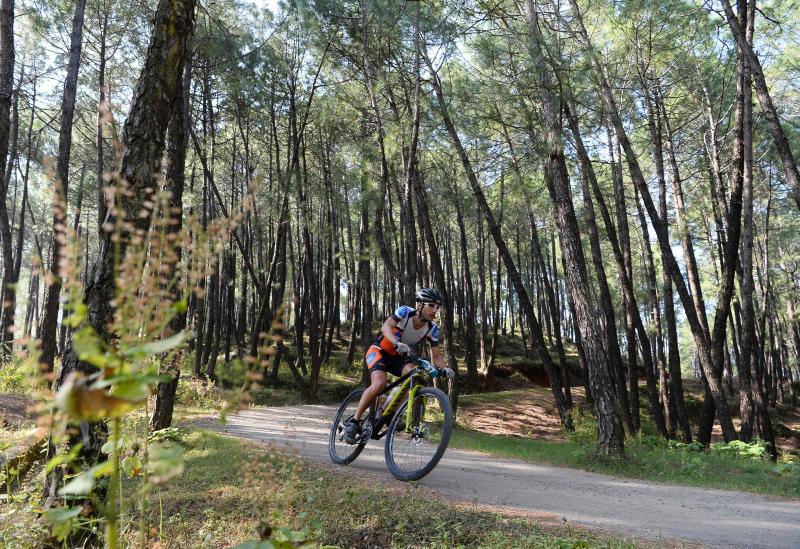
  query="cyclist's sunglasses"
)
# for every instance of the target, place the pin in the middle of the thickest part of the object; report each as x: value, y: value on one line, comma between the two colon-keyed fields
x: 433, y: 305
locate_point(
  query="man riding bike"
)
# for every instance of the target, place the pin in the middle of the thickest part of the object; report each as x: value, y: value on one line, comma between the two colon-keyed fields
x: 399, y: 334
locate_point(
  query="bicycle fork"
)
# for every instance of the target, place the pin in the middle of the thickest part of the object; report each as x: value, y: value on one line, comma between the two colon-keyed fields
x: 412, y: 395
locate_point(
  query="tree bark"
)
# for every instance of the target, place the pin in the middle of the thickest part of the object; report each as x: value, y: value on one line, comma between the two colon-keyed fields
x: 788, y: 162
x: 469, y: 316
x: 538, y: 343
x: 588, y: 178
x: 610, y: 433
x: 53, y: 291
x: 178, y: 141
x: 6, y: 93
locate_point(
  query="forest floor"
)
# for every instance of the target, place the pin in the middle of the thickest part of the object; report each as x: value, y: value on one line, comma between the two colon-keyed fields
x: 530, y: 412
x: 649, y: 510
x: 17, y: 422
x: 510, y: 469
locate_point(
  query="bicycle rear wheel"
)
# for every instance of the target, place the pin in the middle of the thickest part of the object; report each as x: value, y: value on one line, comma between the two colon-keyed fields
x: 413, y: 451
x: 341, y: 452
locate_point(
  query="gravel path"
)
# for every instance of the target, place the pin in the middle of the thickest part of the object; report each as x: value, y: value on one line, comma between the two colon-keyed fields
x: 712, y: 518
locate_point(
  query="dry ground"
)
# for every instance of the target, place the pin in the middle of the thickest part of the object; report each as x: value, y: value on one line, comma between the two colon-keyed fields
x: 524, y: 410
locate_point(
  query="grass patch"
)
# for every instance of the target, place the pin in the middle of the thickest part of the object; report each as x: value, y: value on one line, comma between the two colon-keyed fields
x: 645, y: 459
x: 19, y: 376
x: 20, y: 526
x: 232, y: 489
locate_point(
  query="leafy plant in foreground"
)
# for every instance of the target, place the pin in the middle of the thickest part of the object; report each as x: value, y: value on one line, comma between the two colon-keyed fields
x: 124, y: 369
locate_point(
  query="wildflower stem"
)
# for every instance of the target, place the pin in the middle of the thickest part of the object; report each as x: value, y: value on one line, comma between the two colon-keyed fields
x: 113, y: 511
x: 143, y: 504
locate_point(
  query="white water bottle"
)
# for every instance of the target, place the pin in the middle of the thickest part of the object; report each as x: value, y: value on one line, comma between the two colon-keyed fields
x: 389, y: 398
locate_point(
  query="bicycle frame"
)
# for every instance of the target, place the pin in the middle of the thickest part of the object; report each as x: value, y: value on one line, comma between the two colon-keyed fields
x: 409, y: 388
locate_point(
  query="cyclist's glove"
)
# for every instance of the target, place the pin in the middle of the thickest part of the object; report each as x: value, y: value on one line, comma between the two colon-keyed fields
x: 402, y: 348
x: 448, y: 372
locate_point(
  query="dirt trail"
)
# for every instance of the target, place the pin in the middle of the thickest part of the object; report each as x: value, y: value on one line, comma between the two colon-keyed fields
x: 712, y: 518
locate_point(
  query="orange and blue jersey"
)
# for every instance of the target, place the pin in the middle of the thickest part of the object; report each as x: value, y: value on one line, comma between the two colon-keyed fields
x: 381, y: 355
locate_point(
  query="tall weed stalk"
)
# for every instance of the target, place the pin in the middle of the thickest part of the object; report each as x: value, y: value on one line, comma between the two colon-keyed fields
x: 151, y: 288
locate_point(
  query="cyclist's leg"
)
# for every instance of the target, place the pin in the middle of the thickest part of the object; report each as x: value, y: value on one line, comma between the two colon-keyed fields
x: 377, y: 375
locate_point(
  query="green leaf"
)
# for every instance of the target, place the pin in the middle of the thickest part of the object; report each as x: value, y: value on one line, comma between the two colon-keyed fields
x: 132, y: 466
x: 60, y: 514
x: 78, y: 314
x: 84, y: 482
x: 181, y: 306
x: 60, y: 519
x: 132, y: 391
x: 108, y: 446
x: 164, y: 345
x: 89, y: 347
x: 84, y: 403
x: 64, y: 458
x: 166, y: 461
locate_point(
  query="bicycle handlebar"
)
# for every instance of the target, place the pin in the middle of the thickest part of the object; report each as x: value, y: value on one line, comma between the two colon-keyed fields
x: 425, y: 365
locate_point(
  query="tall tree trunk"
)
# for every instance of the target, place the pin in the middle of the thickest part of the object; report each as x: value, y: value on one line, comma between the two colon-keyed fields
x: 480, y: 252
x: 536, y: 330
x: 103, y: 112
x: 143, y: 137
x: 655, y: 126
x: 177, y: 143
x: 50, y: 318
x: 744, y: 42
x: 76, y: 223
x: 11, y: 276
x: 497, y: 301
x: 469, y: 315
x: 758, y: 370
x: 612, y: 343
x: 6, y: 93
x: 610, y: 436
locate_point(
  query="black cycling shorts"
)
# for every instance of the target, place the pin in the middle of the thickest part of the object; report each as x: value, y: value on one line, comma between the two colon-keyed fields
x: 378, y: 360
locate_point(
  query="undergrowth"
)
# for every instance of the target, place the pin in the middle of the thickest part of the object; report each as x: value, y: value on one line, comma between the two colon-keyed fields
x: 17, y: 375
x: 736, y: 465
x: 232, y: 491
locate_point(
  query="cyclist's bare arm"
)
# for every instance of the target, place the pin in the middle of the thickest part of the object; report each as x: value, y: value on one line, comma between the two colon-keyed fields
x: 437, y: 357
x: 388, y: 329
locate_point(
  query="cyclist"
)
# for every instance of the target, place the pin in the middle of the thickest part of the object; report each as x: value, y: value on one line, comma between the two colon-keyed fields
x: 399, y: 334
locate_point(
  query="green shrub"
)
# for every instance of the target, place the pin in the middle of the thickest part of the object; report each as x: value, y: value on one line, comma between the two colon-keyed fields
x: 787, y: 466
x: 756, y: 450
x: 197, y: 393
x: 585, y: 433
x: 694, y: 446
x: 19, y: 375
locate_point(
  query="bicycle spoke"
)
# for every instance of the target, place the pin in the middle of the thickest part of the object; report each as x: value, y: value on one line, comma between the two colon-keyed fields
x: 411, y: 453
x: 340, y: 451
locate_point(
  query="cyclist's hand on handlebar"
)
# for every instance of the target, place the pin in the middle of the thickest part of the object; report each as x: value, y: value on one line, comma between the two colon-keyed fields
x: 448, y: 372
x: 402, y: 348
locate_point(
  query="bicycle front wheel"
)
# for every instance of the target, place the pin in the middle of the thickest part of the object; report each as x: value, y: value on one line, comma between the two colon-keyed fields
x: 341, y: 452
x: 412, y: 451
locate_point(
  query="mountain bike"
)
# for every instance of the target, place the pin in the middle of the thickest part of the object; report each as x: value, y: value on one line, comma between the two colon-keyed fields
x: 416, y: 420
